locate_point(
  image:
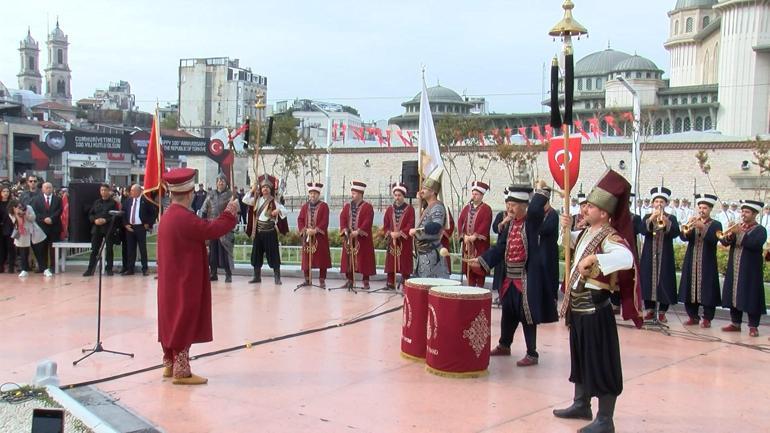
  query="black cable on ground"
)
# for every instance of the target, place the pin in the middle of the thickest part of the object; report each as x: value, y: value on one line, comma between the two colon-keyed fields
x: 355, y: 320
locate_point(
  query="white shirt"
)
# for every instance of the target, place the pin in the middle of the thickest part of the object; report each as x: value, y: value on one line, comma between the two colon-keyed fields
x: 764, y: 220
x: 135, y: 205
x: 615, y: 256
x: 248, y: 200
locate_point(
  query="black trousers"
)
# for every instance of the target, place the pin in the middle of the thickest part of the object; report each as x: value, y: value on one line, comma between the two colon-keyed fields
x: 44, y: 254
x: 137, y: 238
x: 7, y: 253
x: 650, y: 305
x: 692, y: 311
x: 513, y: 314
x: 23, y: 258
x: 266, y: 244
x: 96, y: 243
x: 214, y: 255
x: 736, y: 316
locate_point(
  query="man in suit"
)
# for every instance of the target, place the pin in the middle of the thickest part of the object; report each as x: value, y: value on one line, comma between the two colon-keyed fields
x: 48, y: 209
x: 138, y: 219
x: 101, y: 218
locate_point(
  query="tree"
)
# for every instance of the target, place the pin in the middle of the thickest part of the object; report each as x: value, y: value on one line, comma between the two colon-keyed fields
x: 171, y: 121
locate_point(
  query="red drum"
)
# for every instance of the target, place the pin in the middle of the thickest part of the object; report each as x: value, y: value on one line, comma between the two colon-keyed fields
x: 416, y: 315
x: 459, y: 330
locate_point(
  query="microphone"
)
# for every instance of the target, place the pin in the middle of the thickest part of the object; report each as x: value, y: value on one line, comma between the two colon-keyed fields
x: 116, y: 212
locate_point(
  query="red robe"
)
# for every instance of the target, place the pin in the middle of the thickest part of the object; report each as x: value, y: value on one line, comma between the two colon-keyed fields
x: 445, y: 239
x: 320, y: 221
x: 184, y: 290
x: 406, y: 261
x: 365, y: 264
x: 478, y: 225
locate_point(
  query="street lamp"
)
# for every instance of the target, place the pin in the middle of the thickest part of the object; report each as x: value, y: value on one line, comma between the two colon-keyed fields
x: 635, y: 141
x: 327, y: 172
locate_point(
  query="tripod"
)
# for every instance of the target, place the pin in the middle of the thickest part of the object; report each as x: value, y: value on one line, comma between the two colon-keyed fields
x: 352, y: 251
x: 311, y: 245
x: 655, y: 324
x: 98, y: 346
x: 398, y: 280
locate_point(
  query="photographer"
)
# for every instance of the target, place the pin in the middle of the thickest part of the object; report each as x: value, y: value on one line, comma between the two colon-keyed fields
x: 26, y: 232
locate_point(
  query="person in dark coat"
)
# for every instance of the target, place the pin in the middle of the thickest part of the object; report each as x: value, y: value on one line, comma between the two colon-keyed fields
x: 657, y: 263
x: 48, y: 208
x: 7, y: 250
x: 100, y: 217
x: 138, y: 219
x: 549, y: 245
x: 699, y: 284
x: 744, y: 290
x: 501, y: 220
x: 524, y: 296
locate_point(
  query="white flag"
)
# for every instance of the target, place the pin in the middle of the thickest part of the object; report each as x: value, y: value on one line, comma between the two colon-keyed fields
x: 428, y: 154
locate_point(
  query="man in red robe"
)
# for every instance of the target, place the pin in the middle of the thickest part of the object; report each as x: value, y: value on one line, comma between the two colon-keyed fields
x: 473, y: 230
x: 356, y: 228
x: 398, y: 219
x: 313, y: 222
x: 184, y: 289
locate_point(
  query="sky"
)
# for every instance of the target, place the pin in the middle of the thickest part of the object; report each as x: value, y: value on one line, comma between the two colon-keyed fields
x: 366, y: 54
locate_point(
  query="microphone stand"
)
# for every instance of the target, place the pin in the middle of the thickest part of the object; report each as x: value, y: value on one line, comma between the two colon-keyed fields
x: 98, y: 346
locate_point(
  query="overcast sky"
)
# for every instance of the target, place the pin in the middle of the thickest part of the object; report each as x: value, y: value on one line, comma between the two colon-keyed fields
x: 366, y: 54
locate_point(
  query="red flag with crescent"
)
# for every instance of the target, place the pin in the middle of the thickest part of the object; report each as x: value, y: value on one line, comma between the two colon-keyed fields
x: 559, y: 160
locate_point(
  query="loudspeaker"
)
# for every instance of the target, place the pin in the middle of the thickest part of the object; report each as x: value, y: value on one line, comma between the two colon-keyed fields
x: 411, y: 178
x: 82, y: 197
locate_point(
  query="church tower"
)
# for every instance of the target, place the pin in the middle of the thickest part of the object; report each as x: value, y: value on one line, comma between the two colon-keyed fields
x: 57, y: 74
x: 29, y: 75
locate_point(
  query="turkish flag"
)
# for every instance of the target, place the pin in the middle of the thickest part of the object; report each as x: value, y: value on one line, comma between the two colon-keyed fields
x: 558, y: 159
x: 155, y: 165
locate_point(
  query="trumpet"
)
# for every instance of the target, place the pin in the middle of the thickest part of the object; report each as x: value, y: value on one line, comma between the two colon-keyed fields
x: 686, y: 228
x: 659, y: 221
x: 721, y: 234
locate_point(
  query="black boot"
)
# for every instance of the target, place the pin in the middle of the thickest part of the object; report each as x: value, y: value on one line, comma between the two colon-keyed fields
x: 257, y: 276
x: 228, y: 278
x: 277, y: 276
x: 603, y: 422
x: 213, y: 277
x: 581, y: 406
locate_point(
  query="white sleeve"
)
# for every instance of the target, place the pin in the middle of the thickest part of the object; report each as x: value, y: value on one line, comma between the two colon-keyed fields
x: 248, y: 199
x: 616, y: 257
x: 282, y: 212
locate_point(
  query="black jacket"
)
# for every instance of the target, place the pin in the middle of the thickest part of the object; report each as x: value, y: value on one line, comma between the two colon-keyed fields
x: 146, y: 211
x: 101, y: 209
x: 38, y: 203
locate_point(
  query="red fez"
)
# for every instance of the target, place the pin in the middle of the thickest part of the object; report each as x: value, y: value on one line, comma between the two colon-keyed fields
x: 180, y: 180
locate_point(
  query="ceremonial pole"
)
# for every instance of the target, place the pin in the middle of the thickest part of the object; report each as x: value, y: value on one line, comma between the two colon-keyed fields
x: 566, y: 29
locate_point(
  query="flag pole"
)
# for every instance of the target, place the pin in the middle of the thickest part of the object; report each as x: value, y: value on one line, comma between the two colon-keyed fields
x: 160, y: 169
x: 565, y: 29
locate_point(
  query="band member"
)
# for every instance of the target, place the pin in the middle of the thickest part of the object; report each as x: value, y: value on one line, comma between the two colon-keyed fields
x: 356, y: 227
x: 501, y: 221
x: 577, y: 218
x: 138, y: 219
x: 473, y: 229
x: 549, y: 244
x: 100, y: 217
x: 313, y: 224
x: 220, y: 250
x: 398, y: 220
x: 429, y: 230
x: 699, y: 284
x: 48, y: 209
x: 604, y: 263
x: 264, y: 215
x: 524, y: 297
x: 744, y: 290
x: 184, y: 290
x: 446, y: 238
x: 658, y: 267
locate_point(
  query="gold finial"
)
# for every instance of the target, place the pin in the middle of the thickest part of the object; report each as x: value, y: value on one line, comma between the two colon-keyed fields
x: 260, y: 101
x: 568, y: 26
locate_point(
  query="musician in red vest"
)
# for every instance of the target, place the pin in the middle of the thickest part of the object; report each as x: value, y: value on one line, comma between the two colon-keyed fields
x: 473, y: 230
x: 312, y: 223
x: 356, y: 228
x: 398, y: 219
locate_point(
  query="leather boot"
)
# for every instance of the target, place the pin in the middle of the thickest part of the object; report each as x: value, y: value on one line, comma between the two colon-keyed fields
x: 603, y: 422
x: 581, y: 406
x: 257, y: 276
x: 277, y: 277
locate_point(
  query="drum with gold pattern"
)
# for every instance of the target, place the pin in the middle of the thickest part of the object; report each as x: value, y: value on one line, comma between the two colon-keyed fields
x: 416, y: 313
x: 459, y: 330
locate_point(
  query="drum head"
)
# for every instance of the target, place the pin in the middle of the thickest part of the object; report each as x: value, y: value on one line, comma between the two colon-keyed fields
x: 432, y: 282
x: 460, y: 291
